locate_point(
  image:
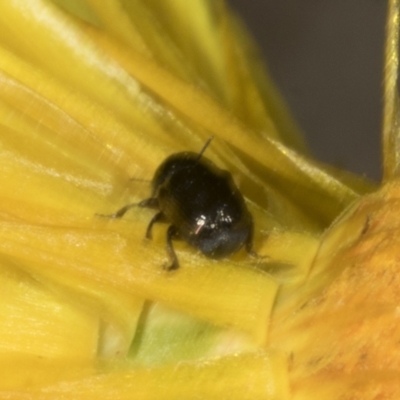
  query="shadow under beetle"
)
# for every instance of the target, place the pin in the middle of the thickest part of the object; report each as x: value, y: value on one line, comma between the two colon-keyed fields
x: 202, y: 204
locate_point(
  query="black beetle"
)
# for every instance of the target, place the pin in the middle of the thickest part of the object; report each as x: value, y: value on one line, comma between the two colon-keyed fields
x: 202, y: 204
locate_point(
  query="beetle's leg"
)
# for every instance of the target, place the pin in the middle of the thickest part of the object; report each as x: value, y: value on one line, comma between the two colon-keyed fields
x: 151, y: 202
x: 249, y: 242
x: 120, y: 213
x: 157, y: 218
x: 172, y: 233
x: 249, y: 246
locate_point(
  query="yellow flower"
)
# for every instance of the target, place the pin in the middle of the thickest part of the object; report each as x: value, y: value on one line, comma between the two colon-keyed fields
x: 94, y: 96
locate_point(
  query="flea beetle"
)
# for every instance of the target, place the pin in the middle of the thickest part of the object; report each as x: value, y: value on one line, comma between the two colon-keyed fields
x: 201, y: 203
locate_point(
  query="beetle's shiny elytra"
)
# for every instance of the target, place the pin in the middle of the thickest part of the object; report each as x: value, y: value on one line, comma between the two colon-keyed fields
x: 202, y: 204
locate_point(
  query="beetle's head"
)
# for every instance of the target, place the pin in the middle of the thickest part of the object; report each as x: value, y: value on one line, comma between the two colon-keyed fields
x: 222, y: 237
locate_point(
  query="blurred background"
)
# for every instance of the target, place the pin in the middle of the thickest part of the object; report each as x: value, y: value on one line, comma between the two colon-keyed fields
x: 326, y: 57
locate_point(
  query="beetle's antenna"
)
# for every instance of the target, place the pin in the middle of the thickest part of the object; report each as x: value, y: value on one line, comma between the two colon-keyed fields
x: 140, y: 180
x: 204, y: 147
